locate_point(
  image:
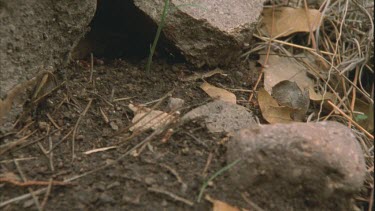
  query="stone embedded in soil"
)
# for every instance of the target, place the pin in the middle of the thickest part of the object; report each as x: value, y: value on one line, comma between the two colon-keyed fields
x: 220, y: 116
x: 106, y: 198
x: 28, y: 203
x: 175, y: 103
x: 207, y: 32
x: 87, y: 196
x: 113, y: 125
x: 298, y: 166
x: 36, y: 34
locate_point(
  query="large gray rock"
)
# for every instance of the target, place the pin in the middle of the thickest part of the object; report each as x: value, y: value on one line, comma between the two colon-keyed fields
x: 206, y: 31
x: 299, y: 166
x: 35, y: 34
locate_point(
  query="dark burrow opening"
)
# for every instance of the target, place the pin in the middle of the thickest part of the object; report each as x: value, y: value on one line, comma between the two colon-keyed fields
x: 120, y: 30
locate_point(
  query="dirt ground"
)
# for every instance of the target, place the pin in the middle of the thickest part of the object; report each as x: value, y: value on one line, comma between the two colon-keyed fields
x: 163, y: 176
x: 75, y: 110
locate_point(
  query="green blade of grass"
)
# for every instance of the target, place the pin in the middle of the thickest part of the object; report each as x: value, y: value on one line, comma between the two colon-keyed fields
x: 158, y: 32
x: 214, y: 176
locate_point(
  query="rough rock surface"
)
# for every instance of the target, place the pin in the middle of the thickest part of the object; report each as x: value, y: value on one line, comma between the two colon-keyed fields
x: 38, y: 33
x: 222, y: 117
x: 299, y: 166
x: 205, y: 31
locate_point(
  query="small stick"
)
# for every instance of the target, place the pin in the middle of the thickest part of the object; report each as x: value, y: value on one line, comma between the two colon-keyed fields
x: 32, y: 182
x: 6, y: 147
x: 49, y: 188
x: 18, y: 159
x: 350, y: 120
x: 239, y: 90
x: 45, y: 152
x: 60, y: 104
x: 174, y: 172
x: 105, y: 117
x: 172, y: 195
x: 22, y: 197
x: 35, y: 141
x: 266, y: 39
x: 371, y: 202
x: 24, y: 128
x: 53, y: 122
x: 51, y: 154
x: 354, y: 94
x: 99, y: 150
x: 209, y: 159
x: 58, y: 143
x: 140, y: 150
x: 112, y: 95
x: 91, y: 66
x: 30, y: 189
x: 251, y: 203
x: 105, y: 100
x: 196, y: 139
x: 36, y: 101
x: 167, y: 135
x: 76, y: 127
x: 204, y: 75
x: 42, y: 82
x: 121, y: 99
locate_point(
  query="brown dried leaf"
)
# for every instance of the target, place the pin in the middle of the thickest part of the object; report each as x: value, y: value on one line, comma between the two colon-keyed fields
x: 10, y: 175
x: 271, y: 110
x: 219, y: 93
x: 220, y: 205
x: 289, y: 20
x: 153, y: 120
x: 284, y: 68
x: 319, y: 97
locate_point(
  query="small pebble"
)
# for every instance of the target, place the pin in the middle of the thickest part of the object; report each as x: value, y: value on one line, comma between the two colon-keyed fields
x: 43, y: 126
x: 164, y: 203
x: 185, y: 150
x: 113, y: 125
x: 175, y: 103
x: 80, y: 137
x: 109, y: 161
x: 150, y: 181
x: 105, y: 197
x: 99, y: 186
x: 28, y: 203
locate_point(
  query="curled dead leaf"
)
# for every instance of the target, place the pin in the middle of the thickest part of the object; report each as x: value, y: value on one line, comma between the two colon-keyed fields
x: 287, y: 20
x: 218, y: 205
x: 271, y: 111
x: 153, y: 119
x: 219, y: 93
x: 319, y: 97
x: 284, y: 68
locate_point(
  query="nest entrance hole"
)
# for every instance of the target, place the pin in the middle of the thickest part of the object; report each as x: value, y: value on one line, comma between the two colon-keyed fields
x: 118, y: 30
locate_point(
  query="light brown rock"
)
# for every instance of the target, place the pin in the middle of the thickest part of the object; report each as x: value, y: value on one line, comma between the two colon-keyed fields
x: 205, y: 31
x: 36, y: 34
x: 299, y: 166
x: 221, y: 117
